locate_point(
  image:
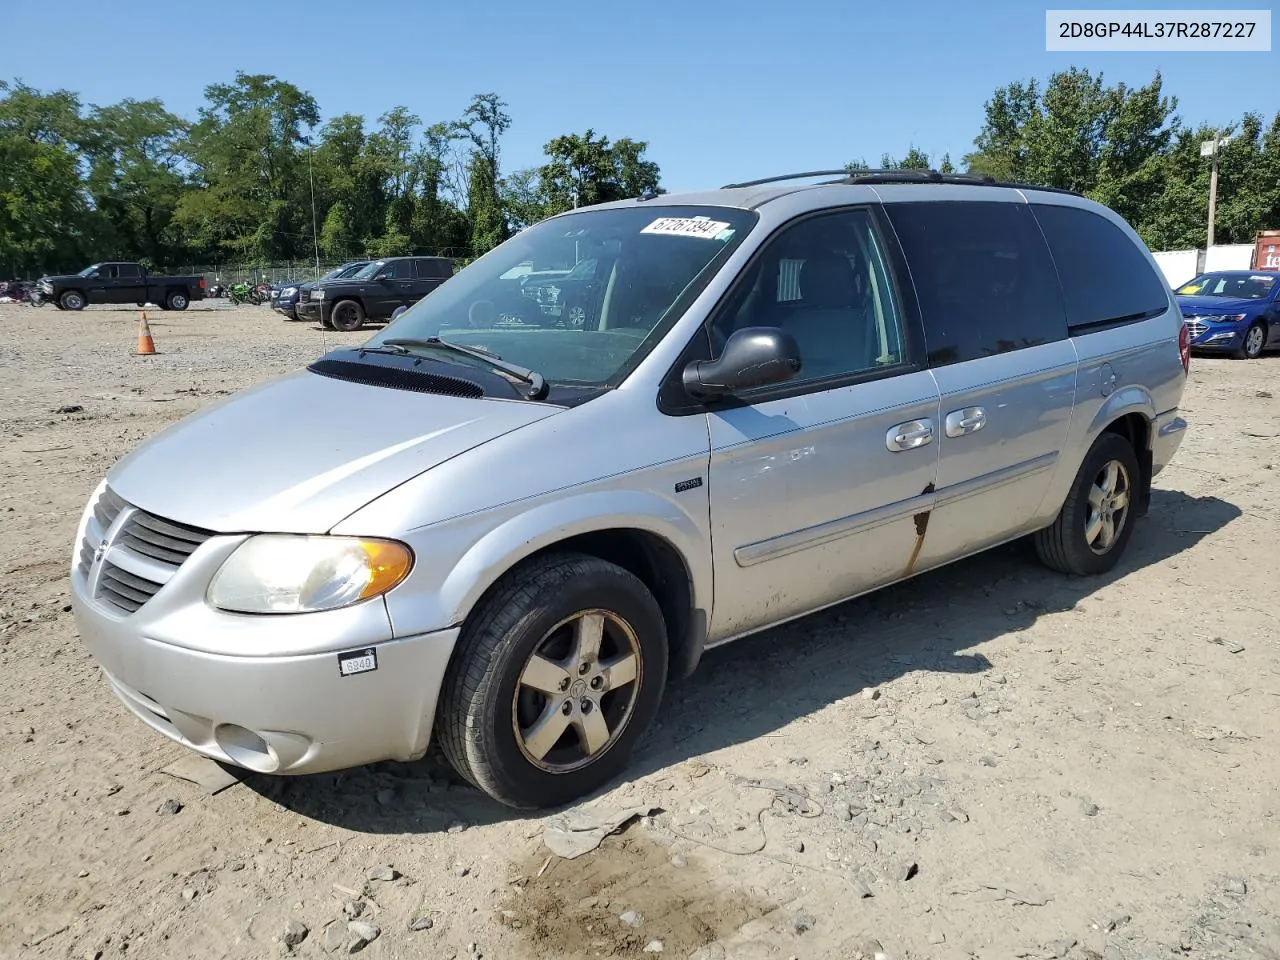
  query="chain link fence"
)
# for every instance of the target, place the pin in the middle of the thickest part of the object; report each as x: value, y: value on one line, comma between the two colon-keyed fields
x: 284, y: 270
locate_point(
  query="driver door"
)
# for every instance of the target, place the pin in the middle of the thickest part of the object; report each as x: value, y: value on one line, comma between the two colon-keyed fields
x: 394, y: 287
x: 820, y: 487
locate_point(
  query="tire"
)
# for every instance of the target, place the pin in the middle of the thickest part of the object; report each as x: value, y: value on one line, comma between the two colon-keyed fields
x: 487, y: 715
x: 176, y: 300
x: 1066, y: 546
x: 72, y: 300
x: 1255, y: 338
x: 574, y: 316
x: 347, y: 315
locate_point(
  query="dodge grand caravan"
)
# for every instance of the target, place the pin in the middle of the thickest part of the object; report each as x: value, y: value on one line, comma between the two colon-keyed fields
x: 782, y: 395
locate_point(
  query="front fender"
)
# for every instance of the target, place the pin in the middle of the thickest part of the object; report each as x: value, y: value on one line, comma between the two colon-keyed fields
x: 545, y: 525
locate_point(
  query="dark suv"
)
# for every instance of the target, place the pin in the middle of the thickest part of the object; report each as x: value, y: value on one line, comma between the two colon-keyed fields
x: 375, y: 291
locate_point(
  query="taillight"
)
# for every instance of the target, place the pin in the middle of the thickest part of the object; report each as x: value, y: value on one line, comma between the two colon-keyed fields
x: 202, y: 283
x: 1184, y: 348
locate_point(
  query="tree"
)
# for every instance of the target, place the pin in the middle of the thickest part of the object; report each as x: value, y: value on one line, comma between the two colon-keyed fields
x: 586, y: 169
x: 245, y: 152
x: 484, y: 207
x: 484, y: 121
x: 136, y: 152
x: 45, y: 214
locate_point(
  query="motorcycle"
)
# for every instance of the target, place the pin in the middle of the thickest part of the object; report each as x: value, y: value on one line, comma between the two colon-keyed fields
x: 24, y: 292
x: 243, y: 292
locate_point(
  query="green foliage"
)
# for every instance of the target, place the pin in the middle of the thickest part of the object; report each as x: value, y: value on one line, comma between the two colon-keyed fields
x: 1125, y: 147
x: 134, y: 181
x: 131, y: 180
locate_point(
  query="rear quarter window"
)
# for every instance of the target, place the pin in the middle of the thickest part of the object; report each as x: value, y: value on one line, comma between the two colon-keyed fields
x: 983, y: 277
x: 1106, y: 279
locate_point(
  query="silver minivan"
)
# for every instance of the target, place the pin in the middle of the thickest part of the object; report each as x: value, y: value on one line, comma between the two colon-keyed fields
x: 771, y: 398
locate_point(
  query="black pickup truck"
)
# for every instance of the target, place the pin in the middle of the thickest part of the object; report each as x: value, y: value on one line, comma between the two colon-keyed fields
x: 120, y: 283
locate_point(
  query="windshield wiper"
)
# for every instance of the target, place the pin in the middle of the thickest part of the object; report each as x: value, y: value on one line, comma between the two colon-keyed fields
x: 538, y: 387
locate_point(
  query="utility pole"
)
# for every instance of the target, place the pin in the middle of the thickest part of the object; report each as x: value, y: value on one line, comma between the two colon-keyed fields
x: 315, y: 233
x: 1210, y: 148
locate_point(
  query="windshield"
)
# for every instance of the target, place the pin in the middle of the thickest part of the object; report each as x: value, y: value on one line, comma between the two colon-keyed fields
x: 649, y: 262
x: 1236, y: 286
x: 88, y: 270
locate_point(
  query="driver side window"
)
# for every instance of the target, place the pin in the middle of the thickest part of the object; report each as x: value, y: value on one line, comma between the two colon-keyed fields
x: 825, y: 281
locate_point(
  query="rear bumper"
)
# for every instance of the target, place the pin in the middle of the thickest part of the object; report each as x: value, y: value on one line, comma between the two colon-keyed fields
x: 1166, y: 436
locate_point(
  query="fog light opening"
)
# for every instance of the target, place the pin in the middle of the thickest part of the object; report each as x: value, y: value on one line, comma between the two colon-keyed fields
x: 246, y: 748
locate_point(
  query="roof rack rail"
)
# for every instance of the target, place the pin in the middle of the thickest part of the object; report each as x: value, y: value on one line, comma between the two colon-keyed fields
x: 909, y: 175
x: 933, y: 176
x: 788, y: 176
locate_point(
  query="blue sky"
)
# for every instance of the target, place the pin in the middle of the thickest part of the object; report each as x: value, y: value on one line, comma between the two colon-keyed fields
x: 721, y: 91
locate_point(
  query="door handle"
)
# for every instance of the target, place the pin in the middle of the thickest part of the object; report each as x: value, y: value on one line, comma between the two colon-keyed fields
x: 966, y: 421
x: 909, y: 435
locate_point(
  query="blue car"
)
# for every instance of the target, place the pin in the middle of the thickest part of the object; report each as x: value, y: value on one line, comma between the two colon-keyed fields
x: 1232, y: 311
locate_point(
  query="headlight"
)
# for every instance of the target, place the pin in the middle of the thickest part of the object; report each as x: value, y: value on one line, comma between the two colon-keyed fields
x: 288, y: 291
x: 317, y: 293
x: 1228, y: 318
x: 276, y: 573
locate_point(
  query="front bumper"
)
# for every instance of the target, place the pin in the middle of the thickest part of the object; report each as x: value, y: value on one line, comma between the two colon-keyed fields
x: 1212, y: 337
x: 286, y: 308
x: 308, y: 310
x: 261, y: 692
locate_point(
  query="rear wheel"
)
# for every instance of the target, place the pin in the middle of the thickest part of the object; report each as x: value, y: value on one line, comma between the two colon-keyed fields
x: 556, y: 677
x: 1095, y: 524
x: 177, y: 300
x: 347, y: 315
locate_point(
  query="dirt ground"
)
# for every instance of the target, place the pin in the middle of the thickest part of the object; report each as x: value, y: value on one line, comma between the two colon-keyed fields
x: 991, y: 761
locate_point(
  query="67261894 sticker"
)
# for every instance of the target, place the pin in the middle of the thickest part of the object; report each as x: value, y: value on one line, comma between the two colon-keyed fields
x: 698, y: 227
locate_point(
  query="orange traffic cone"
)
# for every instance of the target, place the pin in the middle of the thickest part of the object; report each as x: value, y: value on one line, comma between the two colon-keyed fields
x: 146, y: 345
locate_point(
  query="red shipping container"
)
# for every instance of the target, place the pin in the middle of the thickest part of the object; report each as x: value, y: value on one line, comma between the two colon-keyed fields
x: 1266, y: 254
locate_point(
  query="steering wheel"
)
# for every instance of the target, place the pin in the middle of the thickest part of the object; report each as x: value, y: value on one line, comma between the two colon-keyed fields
x: 482, y: 313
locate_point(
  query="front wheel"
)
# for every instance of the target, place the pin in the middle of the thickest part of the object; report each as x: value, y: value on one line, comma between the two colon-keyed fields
x: 1255, y: 338
x: 72, y: 300
x: 556, y: 677
x: 1095, y: 524
x: 347, y: 315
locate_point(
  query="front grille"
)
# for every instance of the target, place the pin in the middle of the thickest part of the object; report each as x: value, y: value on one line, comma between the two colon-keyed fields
x: 142, y: 557
x: 161, y: 540
x: 1196, y: 327
x: 123, y: 589
x: 105, y: 510
x: 304, y: 296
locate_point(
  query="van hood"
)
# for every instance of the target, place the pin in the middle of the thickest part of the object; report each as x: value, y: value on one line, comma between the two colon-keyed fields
x: 300, y: 453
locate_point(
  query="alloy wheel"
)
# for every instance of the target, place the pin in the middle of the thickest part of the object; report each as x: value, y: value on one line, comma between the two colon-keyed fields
x: 1108, y: 507
x: 577, y: 691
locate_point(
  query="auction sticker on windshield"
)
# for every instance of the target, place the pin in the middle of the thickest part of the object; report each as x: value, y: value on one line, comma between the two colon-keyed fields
x: 687, y: 227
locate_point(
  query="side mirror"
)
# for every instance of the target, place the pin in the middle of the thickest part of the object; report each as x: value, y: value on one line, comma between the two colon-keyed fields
x: 752, y: 357
x: 397, y: 311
